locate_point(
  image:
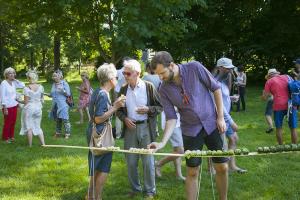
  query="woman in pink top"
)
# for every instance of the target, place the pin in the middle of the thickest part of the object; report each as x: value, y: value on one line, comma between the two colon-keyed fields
x: 84, y: 96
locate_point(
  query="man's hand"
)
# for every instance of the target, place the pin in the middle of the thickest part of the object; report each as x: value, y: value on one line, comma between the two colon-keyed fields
x: 221, y: 125
x: 234, y: 127
x: 155, y: 146
x: 5, y: 111
x: 129, y: 123
x: 142, y: 110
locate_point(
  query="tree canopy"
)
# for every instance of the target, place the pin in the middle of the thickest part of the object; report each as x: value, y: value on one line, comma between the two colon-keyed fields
x: 41, y: 33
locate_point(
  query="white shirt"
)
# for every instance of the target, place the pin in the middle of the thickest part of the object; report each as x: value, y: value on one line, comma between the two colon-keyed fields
x: 121, y: 80
x: 9, y: 93
x: 134, y: 98
x: 163, y: 120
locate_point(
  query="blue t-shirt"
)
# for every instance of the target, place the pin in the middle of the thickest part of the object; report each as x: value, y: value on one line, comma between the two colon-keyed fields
x: 99, y: 104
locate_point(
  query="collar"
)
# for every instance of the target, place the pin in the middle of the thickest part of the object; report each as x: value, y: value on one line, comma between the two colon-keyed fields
x: 138, y: 84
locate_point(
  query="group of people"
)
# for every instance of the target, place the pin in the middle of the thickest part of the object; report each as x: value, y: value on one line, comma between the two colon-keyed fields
x: 276, y: 93
x: 196, y: 105
x: 186, y: 91
x: 32, y: 106
x: 31, y: 101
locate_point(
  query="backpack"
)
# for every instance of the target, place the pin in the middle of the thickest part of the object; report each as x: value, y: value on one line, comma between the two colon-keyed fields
x: 294, y: 90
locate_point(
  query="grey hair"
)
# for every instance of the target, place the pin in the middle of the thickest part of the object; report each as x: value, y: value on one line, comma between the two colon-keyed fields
x: 8, y: 70
x: 33, y: 76
x: 106, y: 72
x: 59, y: 73
x: 133, y: 65
x: 85, y: 74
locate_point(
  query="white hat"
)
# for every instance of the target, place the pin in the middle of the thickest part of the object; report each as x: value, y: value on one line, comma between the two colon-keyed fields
x: 225, y: 62
x: 271, y: 72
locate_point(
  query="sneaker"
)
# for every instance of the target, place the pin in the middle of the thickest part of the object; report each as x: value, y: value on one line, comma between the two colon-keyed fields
x: 132, y: 194
x: 149, y: 196
x: 67, y: 136
x: 57, y: 135
x: 269, y: 130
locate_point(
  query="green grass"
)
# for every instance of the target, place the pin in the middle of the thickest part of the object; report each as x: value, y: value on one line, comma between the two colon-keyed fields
x: 56, y: 173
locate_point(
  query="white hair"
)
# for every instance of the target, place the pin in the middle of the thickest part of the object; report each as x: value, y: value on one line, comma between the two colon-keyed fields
x: 8, y: 70
x: 133, y: 65
x: 85, y: 74
x: 58, y: 73
x: 33, y: 76
x: 106, y: 72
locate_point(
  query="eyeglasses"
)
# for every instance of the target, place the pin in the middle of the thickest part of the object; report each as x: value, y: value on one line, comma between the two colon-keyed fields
x: 126, y: 73
x: 185, y: 97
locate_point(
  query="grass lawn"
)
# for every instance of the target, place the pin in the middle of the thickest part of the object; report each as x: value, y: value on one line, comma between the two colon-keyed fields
x: 56, y: 173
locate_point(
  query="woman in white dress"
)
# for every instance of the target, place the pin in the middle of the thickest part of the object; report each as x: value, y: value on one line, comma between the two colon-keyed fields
x: 32, y: 111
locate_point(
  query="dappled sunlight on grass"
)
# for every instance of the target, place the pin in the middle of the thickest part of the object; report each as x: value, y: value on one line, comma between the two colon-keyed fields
x: 39, y: 173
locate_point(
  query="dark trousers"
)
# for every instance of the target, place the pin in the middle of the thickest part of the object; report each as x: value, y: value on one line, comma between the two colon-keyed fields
x: 242, y: 91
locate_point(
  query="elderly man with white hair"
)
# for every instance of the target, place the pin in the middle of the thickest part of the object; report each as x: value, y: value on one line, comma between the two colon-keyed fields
x: 142, y: 106
x: 9, y: 103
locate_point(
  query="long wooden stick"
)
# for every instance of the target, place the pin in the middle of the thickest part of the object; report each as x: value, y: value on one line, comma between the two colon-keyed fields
x: 168, y: 154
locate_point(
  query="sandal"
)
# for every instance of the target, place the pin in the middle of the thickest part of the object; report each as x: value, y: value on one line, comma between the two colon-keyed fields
x: 7, y: 141
x: 57, y: 135
x: 269, y: 130
x: 241, y: 171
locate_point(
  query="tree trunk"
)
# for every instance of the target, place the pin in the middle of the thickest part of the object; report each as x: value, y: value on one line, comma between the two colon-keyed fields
x: 79, y: 65
x: 43, y: 64
x: 1, y: 50
x: 56, y: 51
x: 31, y: 59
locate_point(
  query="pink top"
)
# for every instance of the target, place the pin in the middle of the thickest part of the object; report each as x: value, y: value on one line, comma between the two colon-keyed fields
x: 85, y: 85
x: 278, y: 87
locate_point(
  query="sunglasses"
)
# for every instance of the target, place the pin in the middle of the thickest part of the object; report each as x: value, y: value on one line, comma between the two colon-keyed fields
x: 185, y: 97
x: 126, y: 73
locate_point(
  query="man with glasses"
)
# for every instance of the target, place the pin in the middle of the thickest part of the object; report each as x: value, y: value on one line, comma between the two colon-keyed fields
x: 139, y: 116
x: 197, y: 95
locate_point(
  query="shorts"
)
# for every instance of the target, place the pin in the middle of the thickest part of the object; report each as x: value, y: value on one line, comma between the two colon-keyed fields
x: 176, y: 138
x: 279, y: 116
x: 213, y: 141
x: 102, y: 163
x: 229, y: 130
x: 269, y: 108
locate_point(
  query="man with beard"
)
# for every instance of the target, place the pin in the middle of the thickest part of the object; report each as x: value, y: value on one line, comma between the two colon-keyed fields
x: 197, y: 95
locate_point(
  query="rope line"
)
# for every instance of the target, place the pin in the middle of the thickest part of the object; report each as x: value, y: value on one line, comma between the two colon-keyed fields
x: 212, y: 182
x: 199, y: 181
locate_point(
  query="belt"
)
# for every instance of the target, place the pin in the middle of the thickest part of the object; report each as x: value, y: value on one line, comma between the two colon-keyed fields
x: 141, y: 122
